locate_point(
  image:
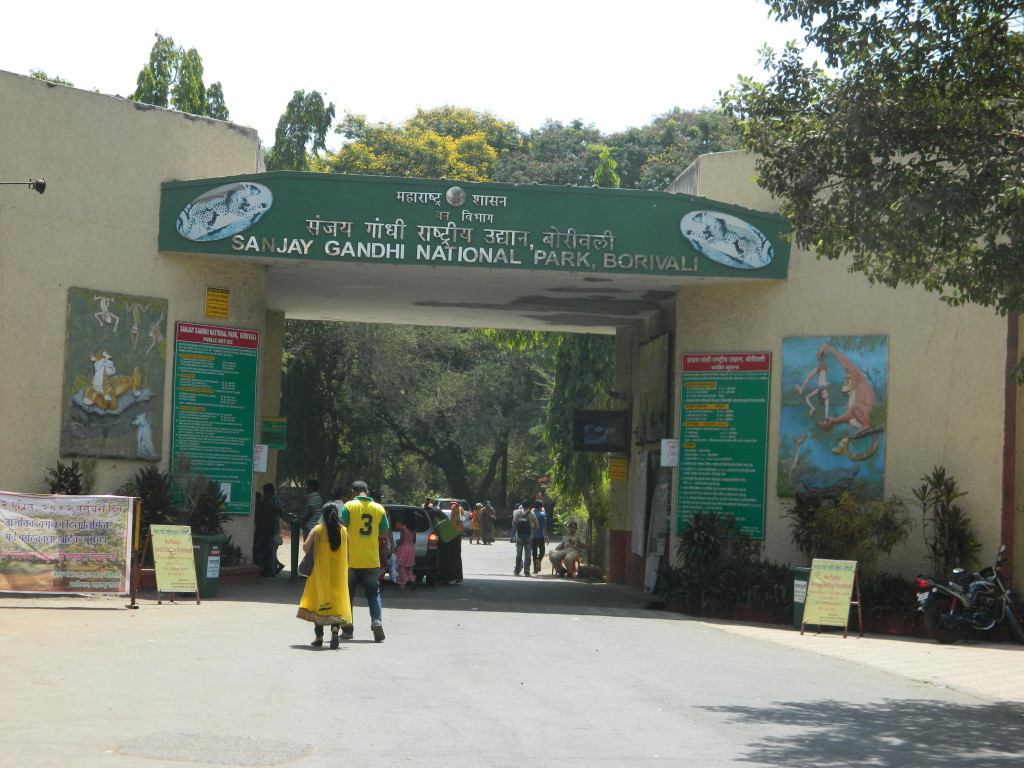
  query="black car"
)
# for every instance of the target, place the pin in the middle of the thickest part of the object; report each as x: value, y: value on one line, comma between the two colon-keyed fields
x: 416, y: 518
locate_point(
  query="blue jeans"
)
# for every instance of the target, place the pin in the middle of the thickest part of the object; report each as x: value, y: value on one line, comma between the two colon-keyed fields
x: 371, y: 588
x: 523, y: 543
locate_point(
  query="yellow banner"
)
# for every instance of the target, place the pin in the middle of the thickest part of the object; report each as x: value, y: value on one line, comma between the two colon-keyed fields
x: 174, y: 559
x: 829, y: 591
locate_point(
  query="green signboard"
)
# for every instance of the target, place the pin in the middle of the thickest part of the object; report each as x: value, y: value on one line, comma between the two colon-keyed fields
x: 275, y: 432
x: 215, y: 406
x: 429, y: 222
x: 723, y: 438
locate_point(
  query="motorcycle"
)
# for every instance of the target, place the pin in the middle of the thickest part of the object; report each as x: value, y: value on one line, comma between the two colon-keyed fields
x: 977, y: 601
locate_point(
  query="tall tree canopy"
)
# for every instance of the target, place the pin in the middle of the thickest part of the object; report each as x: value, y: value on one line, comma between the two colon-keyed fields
x: 411, y: 410
x: 450, y: 142
x: 301, y: 132
x: 174, y: 78
x: 907, y: 154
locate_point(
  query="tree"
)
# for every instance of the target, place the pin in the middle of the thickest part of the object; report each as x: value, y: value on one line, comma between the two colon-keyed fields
x: 174, y: 78
x: 907, y: 156
x: 188, y: 92
x: 553, y: 154
x: 303, y: 125
x: 653, y: 155
x: 450, y: 143
x: 605, y: 175
x: 411, y: 410
x: 154, y: 82
x: 215, y: 106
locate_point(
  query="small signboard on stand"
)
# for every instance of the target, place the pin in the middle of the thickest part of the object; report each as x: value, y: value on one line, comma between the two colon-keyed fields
x: 174, y: 560
x: 832, y: 589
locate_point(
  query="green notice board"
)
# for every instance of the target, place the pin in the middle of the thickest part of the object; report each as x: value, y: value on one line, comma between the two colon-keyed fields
x: 723, y: 437
x: 215, y: 406
x: 275, y: 433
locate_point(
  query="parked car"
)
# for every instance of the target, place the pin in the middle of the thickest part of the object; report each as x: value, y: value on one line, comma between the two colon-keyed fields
x: 445, y: 505
x: 425, y: 569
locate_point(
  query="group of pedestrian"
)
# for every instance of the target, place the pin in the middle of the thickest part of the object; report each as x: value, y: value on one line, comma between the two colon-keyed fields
x: 481, y: 529
x: 345, y: 540
x: 529, y: 534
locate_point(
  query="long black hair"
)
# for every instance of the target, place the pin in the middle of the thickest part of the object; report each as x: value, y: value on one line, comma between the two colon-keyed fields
x: 333, y: 526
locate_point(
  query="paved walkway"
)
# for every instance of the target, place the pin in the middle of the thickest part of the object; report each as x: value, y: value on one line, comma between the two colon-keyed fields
x: 993, y: 671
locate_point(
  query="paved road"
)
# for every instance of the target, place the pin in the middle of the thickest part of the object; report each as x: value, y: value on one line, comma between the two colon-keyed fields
x: 497, y: 671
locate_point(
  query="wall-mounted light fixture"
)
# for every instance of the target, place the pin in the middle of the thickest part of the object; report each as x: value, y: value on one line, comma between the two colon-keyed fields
x: 39, y: 185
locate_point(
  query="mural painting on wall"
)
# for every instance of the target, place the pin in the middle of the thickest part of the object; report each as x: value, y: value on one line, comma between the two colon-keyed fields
x: 832, y: 426
x: 114, y: 362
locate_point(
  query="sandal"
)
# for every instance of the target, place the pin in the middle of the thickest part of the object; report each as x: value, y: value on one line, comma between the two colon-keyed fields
x: 334, y: 637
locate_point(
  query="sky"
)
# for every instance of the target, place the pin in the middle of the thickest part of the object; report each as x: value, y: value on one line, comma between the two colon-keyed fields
x: 612, y: 65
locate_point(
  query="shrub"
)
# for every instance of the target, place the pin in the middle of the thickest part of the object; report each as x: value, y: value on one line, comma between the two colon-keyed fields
x: 849, y: 528
x: 716, y: 561
x: 156, y: 500
x: 199, y: 501
x: 948, y: 532
x: 67, y: 479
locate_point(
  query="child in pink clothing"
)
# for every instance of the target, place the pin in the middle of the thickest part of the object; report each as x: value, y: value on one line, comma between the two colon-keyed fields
x: 405, y: 553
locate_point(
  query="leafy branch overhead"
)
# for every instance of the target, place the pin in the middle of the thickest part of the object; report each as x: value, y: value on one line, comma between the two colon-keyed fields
x: 905, y: 154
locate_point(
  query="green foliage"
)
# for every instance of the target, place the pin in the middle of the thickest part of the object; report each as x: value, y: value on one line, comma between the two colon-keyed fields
x: 948, y: 532
x: 653, y: 155
x: 231, y: 554
x: 188, y: 92
x: 67, y: 479
x: 552, y: 154
x: 41, y: 75
x: 907, y: 156
x: 156, y: 499
x: 849, y: 528
x: 448, y: 143
x: 887, y: 594
x: 174, y: 78
x: 215, y: 106
x: 155, y: 80
x: 605, y: 175
x: 198, y: 500
x: 303, y: 127
x: 410, y: 409
x: 716, y: 565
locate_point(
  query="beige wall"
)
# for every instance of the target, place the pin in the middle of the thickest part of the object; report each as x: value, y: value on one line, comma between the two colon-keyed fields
x: 103, y: 159
x: 946, y: 365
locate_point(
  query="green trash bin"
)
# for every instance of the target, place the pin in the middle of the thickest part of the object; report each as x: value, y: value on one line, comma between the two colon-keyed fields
x: 801, y: 576
x: 207, y: 555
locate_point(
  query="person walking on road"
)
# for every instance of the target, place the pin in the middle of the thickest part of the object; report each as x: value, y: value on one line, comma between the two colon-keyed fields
x: 540, y: 536
x: 524, y: 523
x: 487, y: 520
x: 325, y: 597
x: 367, y: 523
x: 474, y: 523
x: 314, y: 507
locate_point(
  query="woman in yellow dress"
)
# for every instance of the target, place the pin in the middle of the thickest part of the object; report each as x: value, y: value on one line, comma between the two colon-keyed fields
x: 325, y: 598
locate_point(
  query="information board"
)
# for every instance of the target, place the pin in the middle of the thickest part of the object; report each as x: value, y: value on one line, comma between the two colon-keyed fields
x: 173, y: 558
x: 829, y: 592
x: 65, y: 544
x: 723, y: 438
x: 215, y: 371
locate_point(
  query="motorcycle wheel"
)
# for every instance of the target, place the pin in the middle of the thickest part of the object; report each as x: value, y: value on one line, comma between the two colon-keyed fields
x: 1013, y: 623
x: 935, y: 620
